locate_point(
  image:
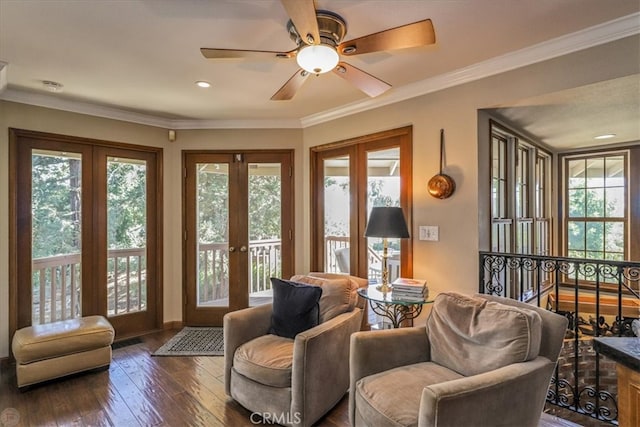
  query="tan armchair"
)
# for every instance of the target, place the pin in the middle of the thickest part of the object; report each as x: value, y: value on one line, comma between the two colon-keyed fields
x: 293, y: 381
x: 479, y: 361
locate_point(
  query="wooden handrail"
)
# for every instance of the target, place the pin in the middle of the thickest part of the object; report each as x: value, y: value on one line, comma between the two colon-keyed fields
x: 608, y: 305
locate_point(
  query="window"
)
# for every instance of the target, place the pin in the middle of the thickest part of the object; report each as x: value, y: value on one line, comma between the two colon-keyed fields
x: 520, y: 208
x: 597, y: 212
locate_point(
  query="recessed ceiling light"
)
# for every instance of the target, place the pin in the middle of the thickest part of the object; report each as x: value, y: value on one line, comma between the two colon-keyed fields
x: 202, y: 83
x: 605, y: 136
x: 52, y: 86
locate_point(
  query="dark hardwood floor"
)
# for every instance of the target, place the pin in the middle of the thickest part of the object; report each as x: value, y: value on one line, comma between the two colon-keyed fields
x: 140, y: 390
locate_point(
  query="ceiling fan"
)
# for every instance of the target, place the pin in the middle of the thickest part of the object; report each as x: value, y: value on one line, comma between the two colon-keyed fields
x: 318, y: 36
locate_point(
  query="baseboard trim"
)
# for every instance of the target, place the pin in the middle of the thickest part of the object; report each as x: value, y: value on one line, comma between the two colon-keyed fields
x: 176, y: 324
x: 5, y: 362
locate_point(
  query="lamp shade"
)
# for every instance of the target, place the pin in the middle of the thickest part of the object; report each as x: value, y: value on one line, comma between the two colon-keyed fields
x: 386, y: 222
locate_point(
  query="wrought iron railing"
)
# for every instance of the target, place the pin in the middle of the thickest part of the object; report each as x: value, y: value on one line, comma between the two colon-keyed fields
x: 598, y: 297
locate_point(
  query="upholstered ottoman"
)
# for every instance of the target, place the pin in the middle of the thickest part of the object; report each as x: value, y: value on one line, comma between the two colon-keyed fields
x: 53, y: 350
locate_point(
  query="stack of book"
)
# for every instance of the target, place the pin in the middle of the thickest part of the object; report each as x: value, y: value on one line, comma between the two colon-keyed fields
x: 409, y: 290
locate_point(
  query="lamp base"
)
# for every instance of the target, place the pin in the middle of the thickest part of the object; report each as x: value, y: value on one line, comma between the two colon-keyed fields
x: 384, y: 288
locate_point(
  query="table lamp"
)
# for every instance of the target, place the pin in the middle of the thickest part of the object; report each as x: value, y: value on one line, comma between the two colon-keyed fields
x: 386, y: 222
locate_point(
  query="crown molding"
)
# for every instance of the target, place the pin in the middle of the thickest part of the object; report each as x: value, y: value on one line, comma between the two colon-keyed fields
x: 81, y: 107
x: 92, y: 109
x: 236, y: 124
x: 593, y: 36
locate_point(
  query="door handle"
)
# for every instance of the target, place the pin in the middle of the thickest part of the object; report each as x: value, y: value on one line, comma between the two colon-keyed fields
x: 232, y: 249
x: 243, y: 248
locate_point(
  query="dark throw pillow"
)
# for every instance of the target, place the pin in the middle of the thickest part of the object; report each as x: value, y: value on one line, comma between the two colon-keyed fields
x: 295, y: 307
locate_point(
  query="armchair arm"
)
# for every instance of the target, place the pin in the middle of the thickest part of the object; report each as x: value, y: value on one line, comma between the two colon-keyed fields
x: 509, y: 396
x: 320, y: 372
x: 378, y: 351
x: 240, y: 327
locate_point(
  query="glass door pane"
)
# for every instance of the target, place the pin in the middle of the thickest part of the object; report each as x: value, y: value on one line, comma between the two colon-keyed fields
x: 383, y: 189
x: 337, y: 215
x: 126, y: 236
x: 212, y: 217
x: 56, y: 200
x: 265, y: 229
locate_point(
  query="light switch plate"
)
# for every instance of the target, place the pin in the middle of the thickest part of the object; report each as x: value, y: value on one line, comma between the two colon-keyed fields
x: 429, y: 232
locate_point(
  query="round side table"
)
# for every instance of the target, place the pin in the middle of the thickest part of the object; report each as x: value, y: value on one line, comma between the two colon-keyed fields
x: 396, y: 310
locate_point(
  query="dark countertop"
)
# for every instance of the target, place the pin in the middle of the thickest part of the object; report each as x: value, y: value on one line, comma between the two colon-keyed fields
x: 623, y: 350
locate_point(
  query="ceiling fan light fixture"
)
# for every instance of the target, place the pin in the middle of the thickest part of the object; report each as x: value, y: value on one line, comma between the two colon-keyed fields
x: 317, y: 59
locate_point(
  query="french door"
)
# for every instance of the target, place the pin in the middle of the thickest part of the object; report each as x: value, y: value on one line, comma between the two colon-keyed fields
x: 348, y: 179
x: 238, y: 230
x: 87, y: 232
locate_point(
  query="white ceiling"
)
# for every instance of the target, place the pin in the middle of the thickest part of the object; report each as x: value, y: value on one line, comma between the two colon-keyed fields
x: 142, y: 57
x: 572, y: 118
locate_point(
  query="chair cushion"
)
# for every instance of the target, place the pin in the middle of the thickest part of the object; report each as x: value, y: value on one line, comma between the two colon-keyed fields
x: 336, y: 295
x: 392, y: 397
x: 356, y: 283
x: 266, y: 360
x: 295, y: 307
x: 472, y: 335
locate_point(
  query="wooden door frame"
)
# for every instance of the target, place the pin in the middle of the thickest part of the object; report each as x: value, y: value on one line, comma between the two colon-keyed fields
x: 282, y: 156
x: 153, y: 218
x: 400, y: 137
x: 18, y: 221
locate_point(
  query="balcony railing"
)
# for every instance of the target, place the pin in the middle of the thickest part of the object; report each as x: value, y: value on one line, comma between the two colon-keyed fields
x: 126, y: 281
x: 56, y: 287
x: 333, y: 245
x: 213, y: 273
x: 598, y: 297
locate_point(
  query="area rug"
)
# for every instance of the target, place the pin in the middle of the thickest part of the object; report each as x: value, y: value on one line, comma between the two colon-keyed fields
x: 194, y: 342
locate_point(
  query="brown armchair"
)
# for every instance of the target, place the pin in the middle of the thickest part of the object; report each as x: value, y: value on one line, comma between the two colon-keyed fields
x: 479, y: 361
x: 293, y: 381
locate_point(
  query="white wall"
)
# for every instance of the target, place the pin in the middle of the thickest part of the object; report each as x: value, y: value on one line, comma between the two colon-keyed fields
x: 450, y: 264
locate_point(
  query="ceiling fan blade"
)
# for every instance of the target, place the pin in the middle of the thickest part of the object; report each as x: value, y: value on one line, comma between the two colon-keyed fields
x: 244, y: 54
x: 367, y: 83
x: 303, y: 16
x: 289, y: 89
x: 419, y: 33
